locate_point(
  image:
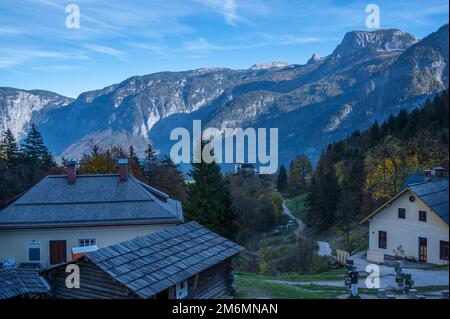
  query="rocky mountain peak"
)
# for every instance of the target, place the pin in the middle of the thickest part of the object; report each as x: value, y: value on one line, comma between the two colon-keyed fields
x: 314, y: 59
x: 269, y: 65
x: 385, y: 40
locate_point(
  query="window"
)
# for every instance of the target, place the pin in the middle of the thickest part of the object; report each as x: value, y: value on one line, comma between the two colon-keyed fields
x: 34, y: 252
x: 443, y: 250
x: 382, y: 239
x: 422, y: 216
x: 401, y: 213
x: 182, y: 290
x: 86, y: 242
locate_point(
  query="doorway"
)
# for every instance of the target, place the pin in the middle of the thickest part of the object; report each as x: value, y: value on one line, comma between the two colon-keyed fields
x: 422, y: 249
x: 58, y: 252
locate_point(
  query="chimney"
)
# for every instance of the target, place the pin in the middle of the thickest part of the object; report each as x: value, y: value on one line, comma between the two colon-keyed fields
x: 426, y: 175
x: 439, y: 171
x: 123, y: 169
x: 71, y: 172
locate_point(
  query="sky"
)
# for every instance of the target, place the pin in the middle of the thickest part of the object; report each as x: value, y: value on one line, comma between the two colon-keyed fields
x: 117, y: 39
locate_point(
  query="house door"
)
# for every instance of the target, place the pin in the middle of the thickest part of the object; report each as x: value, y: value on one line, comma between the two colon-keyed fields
x: 58, y: 252
x: 422, y: 249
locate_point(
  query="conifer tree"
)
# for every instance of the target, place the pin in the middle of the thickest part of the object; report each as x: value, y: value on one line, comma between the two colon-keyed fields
x: 282, y: 179
x: 9, y: 149
x: 35, y: 151
x: 135, y: 165
x: 149, y: 163
x: 208, y: 199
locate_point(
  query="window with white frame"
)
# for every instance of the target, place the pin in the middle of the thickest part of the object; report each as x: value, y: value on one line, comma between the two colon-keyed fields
x: 34, y: 252
x: 86, y: 242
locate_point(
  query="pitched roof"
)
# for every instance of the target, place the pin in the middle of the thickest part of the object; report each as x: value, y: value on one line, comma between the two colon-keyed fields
x: 17, y: 281
x: 417, y: 178
x: 97, y: 199
x: 434, y: 194
x: 150, y: 264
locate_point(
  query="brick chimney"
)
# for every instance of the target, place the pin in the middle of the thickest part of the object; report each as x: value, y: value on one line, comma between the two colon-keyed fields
x: 426, y: 175
x: 123, y: 169
x: 71, y: 172
x: 439, y: 171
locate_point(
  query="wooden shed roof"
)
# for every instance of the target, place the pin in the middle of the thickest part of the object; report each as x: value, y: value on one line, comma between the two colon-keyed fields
x: 150, y: 264
x: 15, y: 282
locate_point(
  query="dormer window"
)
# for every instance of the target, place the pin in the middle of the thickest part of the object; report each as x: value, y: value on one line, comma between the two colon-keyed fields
x: 401, y: 213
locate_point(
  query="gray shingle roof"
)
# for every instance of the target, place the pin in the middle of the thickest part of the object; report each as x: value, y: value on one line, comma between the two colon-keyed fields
x: 417, y: 178
x: 94, y: 199
x: 16, y: 281
x: 150, y: 264
x: 435, y: 195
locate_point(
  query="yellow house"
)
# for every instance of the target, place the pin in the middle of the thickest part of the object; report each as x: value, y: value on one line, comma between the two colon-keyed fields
x: 414, y: 223
x: 63, y: 212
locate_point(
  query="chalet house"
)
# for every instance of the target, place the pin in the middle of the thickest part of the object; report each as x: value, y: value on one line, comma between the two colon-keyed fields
x: 414, y: 223
x: 245, y: 169
x: 186, y: 261
x: 65, y: 214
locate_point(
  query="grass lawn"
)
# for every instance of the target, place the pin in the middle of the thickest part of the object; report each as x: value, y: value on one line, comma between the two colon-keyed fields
x: 249, y: 287
x: 336, y: 274
x: 297, y: 205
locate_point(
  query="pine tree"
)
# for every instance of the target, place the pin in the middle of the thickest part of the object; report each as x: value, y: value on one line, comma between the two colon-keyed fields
x: 149, y: 163
x: 9, y: 149
x: 135, y: 165
x: 299, y: 170
x: 35, y: 151
x: 326, y: 198
x: 228, y: 217
x: 208, y: 200
x: 347, y: 210
x: 282, y: 179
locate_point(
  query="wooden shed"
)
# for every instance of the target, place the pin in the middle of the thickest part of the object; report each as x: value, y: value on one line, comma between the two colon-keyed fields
x: 22, y: 282
x: 186, y: 261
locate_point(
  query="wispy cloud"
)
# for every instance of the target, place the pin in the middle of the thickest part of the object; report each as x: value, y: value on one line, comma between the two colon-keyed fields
x: 202, y: 45
x: 227, y: 8
x: 16, y: 56
x: 145, y: 46
x: 10, y: 30
x: 106, y: 50
x: 56, y: 68
x: 82, y: 15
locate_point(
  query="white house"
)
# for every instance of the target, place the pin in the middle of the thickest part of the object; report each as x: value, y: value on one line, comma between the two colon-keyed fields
x: 66, y: 211
x: 414, y: 223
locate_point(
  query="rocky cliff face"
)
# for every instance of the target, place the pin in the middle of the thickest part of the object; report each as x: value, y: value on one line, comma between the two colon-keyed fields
x: 369, y: 76
x: 18, y: 107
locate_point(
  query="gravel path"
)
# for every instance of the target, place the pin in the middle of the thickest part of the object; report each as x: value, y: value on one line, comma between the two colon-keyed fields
x: 324, y: 248
x: 301, y: 225
x: 421, y: 277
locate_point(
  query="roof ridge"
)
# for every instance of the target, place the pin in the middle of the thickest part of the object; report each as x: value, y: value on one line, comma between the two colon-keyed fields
x: 153, y: 234
x: 87, y: 202
x: 84, y: 175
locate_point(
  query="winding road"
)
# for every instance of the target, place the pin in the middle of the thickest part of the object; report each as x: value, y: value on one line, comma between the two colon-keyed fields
x: 323, y: 249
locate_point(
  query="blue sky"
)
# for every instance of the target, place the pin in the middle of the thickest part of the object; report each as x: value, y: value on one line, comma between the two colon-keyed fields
x: 119, y: 39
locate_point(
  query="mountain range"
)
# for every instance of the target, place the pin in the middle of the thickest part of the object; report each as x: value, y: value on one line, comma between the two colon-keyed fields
x: 369, y: 76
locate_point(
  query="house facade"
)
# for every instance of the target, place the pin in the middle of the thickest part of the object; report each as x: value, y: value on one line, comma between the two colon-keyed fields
x: 413, y: 224
x: 63, y: 212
